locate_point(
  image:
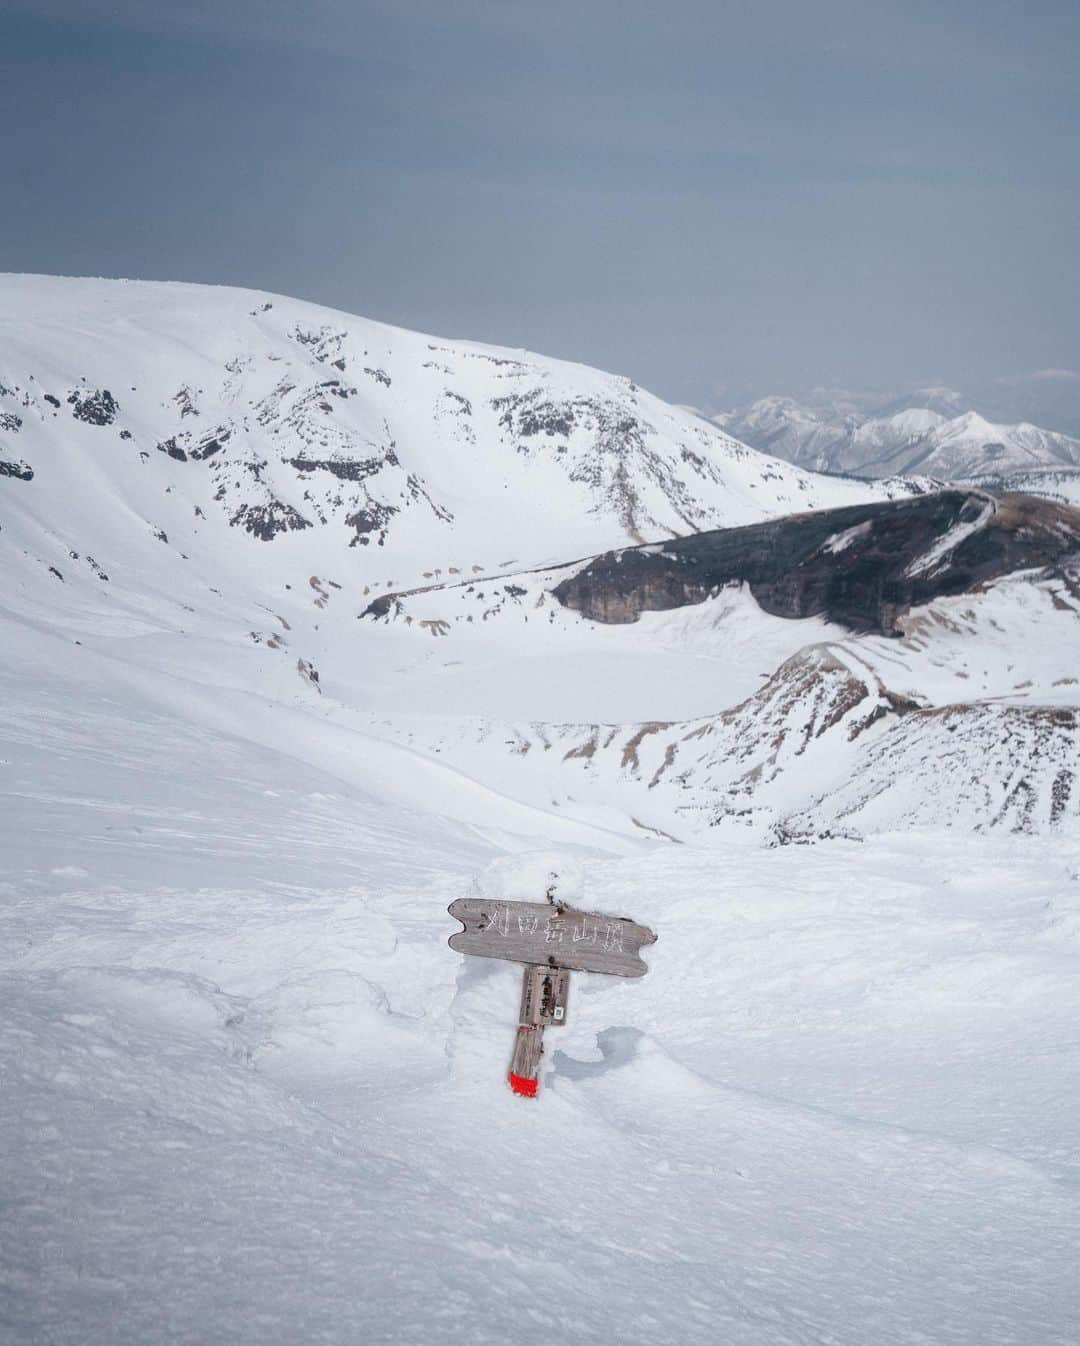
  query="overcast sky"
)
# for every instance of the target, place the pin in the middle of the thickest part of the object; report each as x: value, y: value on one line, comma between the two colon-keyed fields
x: 718, y: 199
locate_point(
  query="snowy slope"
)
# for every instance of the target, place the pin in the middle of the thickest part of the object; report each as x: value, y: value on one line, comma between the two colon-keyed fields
x: 250, y: 1096
x: 784, y: 744
x: 1007, y: 766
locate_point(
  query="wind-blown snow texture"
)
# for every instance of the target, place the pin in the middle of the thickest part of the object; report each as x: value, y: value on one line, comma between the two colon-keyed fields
x: 247, y: 1095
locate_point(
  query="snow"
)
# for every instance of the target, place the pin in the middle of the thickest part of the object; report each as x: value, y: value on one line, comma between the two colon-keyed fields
x: 250, y: 1096
x: 885, y: 433
x: 930, y: 559
x: 841, y: 541
x: 247, y: 1093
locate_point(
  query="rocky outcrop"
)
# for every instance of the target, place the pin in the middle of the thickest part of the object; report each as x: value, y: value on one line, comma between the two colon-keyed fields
x: 266, y: 521
x: 862, y: 566
x: 95, y: 406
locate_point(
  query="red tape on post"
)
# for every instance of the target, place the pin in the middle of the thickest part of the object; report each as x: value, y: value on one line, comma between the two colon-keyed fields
x: 522, y: 1085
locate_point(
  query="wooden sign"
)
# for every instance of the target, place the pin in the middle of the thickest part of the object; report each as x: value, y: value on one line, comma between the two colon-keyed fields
x: 553, y: 936
x: 551, y: 940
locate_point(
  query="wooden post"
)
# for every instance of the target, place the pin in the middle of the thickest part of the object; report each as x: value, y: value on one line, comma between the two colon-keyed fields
x: 544, y: 994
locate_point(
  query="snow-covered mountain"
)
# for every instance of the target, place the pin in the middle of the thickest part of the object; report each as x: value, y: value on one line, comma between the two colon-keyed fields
x: 219, y: 484
x: 970, y: 446
x: 792, y: 430
x: 310, y: 626
x: 930, y: 433
x: 203, y: 411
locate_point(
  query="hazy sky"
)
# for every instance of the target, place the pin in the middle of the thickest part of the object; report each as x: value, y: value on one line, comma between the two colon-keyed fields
x: 718, y: 199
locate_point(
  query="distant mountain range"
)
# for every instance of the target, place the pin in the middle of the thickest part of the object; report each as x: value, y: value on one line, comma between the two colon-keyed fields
x: 932, y: 432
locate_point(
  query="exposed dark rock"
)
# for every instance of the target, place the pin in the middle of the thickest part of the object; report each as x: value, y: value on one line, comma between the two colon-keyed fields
x: 266, y: 521
x: 417, y: 492
x: 308, y: 672
x: 372, y: 519
x: 488, y: 359
x: 530, y: 413
x: 185, y: 400
x: 212, y: 443
x: 95, y: 408
x: 347, y: 469
x: 862, y: 566
x: 10, y: 422
x: 20, y: 471
x: 380, y: 607
x: 781, y: 834
x: 325, y: 343
x: 53, y: 401
x: 173, y: 449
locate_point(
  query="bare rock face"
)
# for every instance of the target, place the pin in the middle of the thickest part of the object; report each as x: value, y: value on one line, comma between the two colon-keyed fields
x: 862, y: 566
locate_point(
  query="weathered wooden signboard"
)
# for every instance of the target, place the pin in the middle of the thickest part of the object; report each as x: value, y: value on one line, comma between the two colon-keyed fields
x: 551, y: 940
